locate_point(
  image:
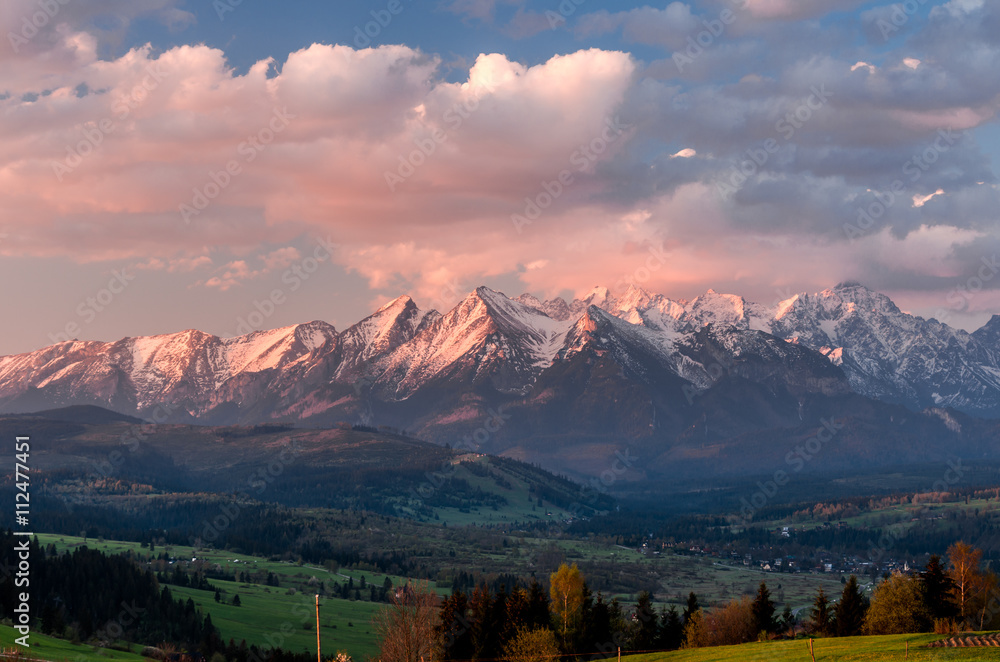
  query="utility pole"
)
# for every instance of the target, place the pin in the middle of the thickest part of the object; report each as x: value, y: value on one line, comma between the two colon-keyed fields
x: 318, y: 655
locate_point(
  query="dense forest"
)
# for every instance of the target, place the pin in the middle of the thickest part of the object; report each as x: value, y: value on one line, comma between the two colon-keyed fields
x: 87, y: 594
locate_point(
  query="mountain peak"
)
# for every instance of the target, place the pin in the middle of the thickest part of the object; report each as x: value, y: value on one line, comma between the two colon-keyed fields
x: 398, y: 302
x: 597, y: 296
x: 989, y: 333
x: 634, y: 297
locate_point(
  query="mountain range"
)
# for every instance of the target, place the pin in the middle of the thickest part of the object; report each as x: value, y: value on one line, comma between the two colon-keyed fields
x: 715, y: 385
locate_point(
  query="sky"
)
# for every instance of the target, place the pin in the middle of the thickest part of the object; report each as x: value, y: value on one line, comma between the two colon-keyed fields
x: 229, y: 165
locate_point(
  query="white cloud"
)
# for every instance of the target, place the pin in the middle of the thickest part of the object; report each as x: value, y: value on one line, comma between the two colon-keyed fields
x: 921, y: 200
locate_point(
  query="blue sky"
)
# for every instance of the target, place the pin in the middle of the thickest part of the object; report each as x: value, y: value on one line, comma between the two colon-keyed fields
x: 761, y: 147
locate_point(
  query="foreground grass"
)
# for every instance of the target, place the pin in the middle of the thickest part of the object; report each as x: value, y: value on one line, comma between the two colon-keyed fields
x: 270, y: 616
x: 846, y: 649
x: 48, y: 648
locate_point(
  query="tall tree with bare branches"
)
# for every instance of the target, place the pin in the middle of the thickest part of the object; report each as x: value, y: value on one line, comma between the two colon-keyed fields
x: 566, y: 590
x: 405, y: 627
x: 966, y: 577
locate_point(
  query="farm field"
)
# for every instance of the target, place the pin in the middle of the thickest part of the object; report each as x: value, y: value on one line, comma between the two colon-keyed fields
x: 50, y: 648
x: 846, y: 649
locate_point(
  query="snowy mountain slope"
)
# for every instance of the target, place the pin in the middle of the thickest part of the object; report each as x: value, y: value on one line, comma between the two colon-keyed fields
x: 491, y: 348
x: 884, y: 352
x: 137, y: 374
x: 486, y: 337
x: 378, y: 334
x: 894, y: 356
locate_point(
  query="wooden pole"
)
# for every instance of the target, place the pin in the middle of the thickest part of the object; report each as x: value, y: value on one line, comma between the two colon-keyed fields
x: 619, y: 654
x: 318, y: 655
x: 907, y: 657
x: 812, y: 654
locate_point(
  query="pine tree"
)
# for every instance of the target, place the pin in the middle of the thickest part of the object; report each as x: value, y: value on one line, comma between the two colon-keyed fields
x: 788, y: 621
x: 821, y: 613
x: 763, y: 610
x: 938, y: 589
x: 671, y: 630
x: 692, y: 607
x: 849, y: 613
x: 453, y: 632
x: 645, y: 631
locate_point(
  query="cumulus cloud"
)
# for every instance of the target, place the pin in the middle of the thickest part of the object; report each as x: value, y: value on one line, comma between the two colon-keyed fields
x: 160, y: 158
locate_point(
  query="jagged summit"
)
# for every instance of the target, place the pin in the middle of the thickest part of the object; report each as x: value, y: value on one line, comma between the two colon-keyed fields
x: 490, y: 342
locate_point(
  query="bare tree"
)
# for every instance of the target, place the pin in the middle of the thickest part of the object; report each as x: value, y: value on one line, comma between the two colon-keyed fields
x: 405, y: 627
x: 967, y: 578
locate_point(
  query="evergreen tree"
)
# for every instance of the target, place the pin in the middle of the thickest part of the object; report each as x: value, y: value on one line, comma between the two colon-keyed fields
x: 763, y: 610
x: 596, y: 626
x: 821, y: 613
x: 788, y: 621
x: 538, y: 606
x: 938, y: 589
x: 692, y: 607
x: 644, y: 636
x: 453, y: 633
x: 849, y: 613
x: 671, y: 630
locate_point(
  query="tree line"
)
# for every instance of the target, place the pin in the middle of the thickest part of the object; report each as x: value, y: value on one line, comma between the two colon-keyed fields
x: 86, y: 595
x: 524, y: 623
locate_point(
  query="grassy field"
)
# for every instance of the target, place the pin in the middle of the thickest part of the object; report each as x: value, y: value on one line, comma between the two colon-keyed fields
x: 847, y: 649
x: 672, y: 576
x: 346, y: 623
x: 268, y: 615
x: 48, y: 648
x: 292, y: 574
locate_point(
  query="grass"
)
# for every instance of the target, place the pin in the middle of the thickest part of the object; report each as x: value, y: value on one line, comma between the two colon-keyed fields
x: 270, y: 616
x: 48, y: 648
x: 847, y: 649
x: 265, y: 608
x: 292, y: 573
